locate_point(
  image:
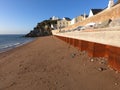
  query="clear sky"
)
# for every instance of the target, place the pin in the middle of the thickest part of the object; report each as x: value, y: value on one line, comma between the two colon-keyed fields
x: 21, y: 16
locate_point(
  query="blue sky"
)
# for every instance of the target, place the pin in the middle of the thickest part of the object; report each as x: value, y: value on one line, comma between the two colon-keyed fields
x: 21, y: 16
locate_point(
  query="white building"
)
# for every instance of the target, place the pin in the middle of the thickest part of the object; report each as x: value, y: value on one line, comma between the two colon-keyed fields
x: 94, y: 12
x: 73, y: 21
x: 110, y: 3
x: 54, y: 18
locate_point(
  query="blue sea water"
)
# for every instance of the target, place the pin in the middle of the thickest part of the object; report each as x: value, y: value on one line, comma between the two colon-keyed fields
x: 11, y: 41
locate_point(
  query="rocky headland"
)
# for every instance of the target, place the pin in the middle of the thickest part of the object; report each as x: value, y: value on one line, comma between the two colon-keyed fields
x: 42, y: 29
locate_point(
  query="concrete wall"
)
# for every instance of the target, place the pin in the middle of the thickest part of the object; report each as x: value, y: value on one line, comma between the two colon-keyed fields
x: 104, y: 37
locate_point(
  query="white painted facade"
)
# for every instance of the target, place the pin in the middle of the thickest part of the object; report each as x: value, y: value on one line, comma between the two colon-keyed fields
x: 73, y: 21
x: 84, y: 16
x: 90, y: 13
x: 55, y: 18
x: 52, y: 26
x: 110, y: 3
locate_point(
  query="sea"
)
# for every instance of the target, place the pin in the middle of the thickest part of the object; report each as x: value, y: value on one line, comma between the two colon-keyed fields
x: 8, y: 42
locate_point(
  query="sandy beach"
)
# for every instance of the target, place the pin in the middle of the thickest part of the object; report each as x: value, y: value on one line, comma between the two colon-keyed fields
x: 51, y: 64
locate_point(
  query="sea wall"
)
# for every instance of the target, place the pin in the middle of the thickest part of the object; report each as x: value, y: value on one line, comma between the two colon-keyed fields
x: 97, y: 43
x: 96, y: 50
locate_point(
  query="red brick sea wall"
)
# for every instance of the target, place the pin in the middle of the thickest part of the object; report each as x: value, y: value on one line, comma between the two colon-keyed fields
x: 112, y: 53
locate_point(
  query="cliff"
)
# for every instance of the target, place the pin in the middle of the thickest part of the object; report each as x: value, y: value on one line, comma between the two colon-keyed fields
x: 42, y: 29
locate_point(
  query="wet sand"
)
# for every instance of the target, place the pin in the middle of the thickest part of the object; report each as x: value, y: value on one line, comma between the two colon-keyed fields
x: 50, y: 64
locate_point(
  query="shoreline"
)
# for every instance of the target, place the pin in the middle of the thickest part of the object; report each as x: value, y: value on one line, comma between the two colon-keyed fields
x: 14, y: 49
x: 16, y: 46
x: 48, y: 63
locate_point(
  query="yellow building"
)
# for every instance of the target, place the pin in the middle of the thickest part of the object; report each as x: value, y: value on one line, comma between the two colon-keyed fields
x: 62, y: 23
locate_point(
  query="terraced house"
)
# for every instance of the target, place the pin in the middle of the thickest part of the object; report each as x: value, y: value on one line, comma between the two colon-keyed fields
x: 62, y: 23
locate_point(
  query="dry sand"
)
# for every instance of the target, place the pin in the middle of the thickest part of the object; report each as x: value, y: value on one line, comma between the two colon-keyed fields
x: 50, y: 64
